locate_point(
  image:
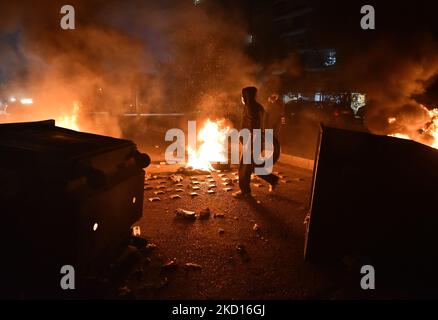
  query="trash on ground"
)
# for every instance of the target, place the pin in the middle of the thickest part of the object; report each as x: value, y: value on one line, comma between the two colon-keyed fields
x: 193, y: 266
x: 219, y: 215
x: 169, y: 265
x: 185, y: 213
x: 176, y: 178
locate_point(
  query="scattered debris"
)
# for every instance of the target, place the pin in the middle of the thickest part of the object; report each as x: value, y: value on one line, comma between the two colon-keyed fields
x: 189, y: 171
x: 136, y: 231
x: 158, y: 192
x: 176, y: 178
x: 169, y: 265
x: 227, y: 189
x: 175, y: 196
x: 204, y: 213
x: 154, y: 199
x: 219, y: 215
x: 221, y: 231
x: 194, y: 266
x: 241, y: 249
x: 185, y: 213
x: 150, y: 246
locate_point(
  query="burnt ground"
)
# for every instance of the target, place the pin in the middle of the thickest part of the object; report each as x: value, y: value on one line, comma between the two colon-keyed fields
x: 233, y: 258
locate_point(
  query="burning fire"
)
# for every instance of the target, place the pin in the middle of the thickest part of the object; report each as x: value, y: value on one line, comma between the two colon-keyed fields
x: 211, y: 142
x: 70, y: 121
x: 430, y: 128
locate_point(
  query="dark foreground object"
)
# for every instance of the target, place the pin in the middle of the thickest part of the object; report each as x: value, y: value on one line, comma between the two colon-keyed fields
x: 374, y: 198
x: 67, y: 198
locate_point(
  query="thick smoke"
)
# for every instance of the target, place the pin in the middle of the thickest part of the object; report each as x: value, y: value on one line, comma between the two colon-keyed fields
x: 139, y: 56
x: 394, y: 72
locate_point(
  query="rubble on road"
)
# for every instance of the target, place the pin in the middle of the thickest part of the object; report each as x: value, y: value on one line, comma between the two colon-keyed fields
x: 185, y: 214
x: 219, y: 215
x: 169, y: 265
x: 176, y: 178
x: 189, y: 171
x: 150, y: 246
x: 194, y: 266
x: 241, y: 249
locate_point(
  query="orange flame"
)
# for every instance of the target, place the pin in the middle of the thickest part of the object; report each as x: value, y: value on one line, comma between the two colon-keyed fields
x: 70, y: 121
x: 211, y: 141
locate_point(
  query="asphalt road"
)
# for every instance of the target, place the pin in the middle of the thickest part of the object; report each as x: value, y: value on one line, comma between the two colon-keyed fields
x: 252, y: 249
